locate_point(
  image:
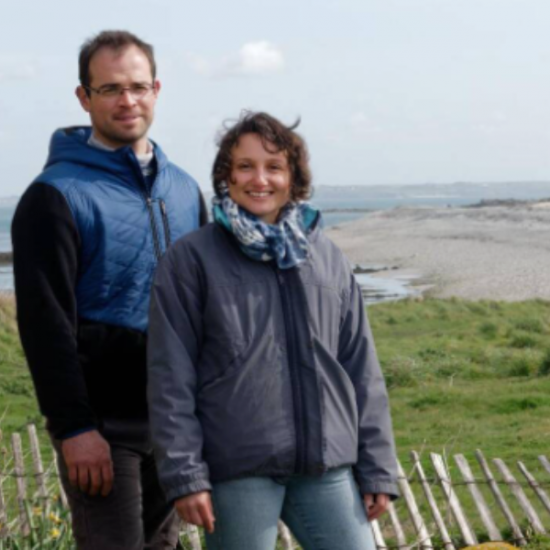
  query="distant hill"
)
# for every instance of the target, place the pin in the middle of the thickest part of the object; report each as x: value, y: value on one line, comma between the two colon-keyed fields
x: 522, y: 190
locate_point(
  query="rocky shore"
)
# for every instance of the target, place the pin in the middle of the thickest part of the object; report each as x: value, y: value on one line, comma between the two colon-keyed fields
x: 492, y: 251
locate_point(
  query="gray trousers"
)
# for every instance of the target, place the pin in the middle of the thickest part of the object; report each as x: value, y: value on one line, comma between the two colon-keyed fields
x: 135, y: 515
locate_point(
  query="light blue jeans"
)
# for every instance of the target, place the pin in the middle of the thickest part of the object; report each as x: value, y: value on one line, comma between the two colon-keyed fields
x: 323, y: 513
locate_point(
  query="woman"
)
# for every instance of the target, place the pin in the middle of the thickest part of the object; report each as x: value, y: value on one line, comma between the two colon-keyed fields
x: 266, y: 397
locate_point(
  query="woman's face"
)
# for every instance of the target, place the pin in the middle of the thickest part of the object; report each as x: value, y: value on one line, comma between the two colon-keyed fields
x: 260, y: 180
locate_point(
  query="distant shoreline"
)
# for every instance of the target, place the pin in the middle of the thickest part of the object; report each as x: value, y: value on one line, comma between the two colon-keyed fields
x: 6, y: 258
x: 491, y: 251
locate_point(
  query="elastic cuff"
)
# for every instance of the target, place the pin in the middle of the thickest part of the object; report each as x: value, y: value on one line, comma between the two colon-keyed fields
x: 74, y: 433
x: 188, y: 489
x: 371, y: 487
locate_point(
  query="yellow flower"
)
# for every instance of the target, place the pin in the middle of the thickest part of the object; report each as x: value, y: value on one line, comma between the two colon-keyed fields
x: 54, y: 518
x: 55, y: 533
x: 37, y: 511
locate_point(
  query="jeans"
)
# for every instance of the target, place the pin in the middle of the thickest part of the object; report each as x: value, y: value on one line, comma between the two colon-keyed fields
x: 135, y: 514
x: 323, y: 513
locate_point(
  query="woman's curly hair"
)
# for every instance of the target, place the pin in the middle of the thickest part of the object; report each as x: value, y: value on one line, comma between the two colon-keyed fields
x: 275, y: 137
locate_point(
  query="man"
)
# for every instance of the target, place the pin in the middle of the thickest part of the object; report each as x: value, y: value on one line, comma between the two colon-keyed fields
x: 87, y: 235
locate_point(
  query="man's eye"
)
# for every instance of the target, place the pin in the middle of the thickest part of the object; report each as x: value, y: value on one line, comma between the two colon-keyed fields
x: 109, y: 90
x: 243, y: 166
x: 140, y: 87
x: 275, y: 167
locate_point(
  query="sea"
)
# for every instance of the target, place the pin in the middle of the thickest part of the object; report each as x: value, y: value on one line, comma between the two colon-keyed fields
x: 343, y: 204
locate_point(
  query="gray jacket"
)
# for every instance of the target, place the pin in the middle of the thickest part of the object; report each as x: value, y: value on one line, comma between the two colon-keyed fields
x: 256, y: 371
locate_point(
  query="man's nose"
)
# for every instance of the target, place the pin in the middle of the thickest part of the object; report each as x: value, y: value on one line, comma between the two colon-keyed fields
x: 126, y: 97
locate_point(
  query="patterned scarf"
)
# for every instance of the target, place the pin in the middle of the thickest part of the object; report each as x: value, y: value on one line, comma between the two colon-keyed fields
x: 285, y: 242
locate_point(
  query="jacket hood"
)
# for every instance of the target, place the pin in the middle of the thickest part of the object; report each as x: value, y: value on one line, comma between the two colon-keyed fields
x: 71, y: 145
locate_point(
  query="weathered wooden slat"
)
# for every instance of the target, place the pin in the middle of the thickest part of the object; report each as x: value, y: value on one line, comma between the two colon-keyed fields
x: 396, y: 524
x: 424, y: 540
x: 62, y: 494
x: 37, y: 462
x: 534, y: 484
x: 520, y: 495
x: 441, y: 471
x: 378, y: 537
x: 3, y: 508
x: 3, y: 511
x: 516, y: 531
x: 20, y: 482
x: 284, y: 536
x: 438, y: 518
x: 484, y: 511
x: 544, y: 461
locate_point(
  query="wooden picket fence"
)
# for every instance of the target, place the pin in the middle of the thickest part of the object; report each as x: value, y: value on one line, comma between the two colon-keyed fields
x: 435, y: 511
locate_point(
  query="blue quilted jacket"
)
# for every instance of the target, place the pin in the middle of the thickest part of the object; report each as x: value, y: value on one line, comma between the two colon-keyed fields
x: 124, y: 224
x: 87, y: 236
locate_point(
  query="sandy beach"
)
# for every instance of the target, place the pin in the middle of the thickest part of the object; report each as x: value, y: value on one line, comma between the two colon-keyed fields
x: 489, y: 252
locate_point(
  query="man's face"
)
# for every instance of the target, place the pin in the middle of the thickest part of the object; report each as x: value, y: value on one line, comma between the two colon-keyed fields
x: 122, y: 119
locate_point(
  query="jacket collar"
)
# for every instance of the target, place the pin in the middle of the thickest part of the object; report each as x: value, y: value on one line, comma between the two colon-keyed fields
x: 71, y: 145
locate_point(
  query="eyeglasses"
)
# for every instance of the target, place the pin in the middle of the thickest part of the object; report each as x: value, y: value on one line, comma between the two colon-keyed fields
x: 113, y: 91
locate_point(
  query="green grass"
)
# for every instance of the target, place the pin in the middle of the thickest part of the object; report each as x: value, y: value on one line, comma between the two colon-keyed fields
x: 17, y: 401
x: 461, y: 375
x: 467, y: 375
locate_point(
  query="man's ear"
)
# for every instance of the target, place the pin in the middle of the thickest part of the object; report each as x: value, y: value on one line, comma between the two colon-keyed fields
x: 83, y: 97
x: 156, y: 87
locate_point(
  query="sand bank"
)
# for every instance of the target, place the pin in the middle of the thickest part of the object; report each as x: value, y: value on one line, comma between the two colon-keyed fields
x: 490, y: 252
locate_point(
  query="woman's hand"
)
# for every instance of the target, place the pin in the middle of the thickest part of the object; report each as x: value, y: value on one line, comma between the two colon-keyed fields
x: 376, y: 505
x: 197, y: 510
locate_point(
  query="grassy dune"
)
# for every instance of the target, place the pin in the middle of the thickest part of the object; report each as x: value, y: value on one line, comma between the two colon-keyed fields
x: 466, y: 375
x: 17, y: 401
x: 462, y: 375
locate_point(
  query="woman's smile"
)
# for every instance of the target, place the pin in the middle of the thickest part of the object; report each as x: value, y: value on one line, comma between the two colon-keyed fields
x: 260, y: 179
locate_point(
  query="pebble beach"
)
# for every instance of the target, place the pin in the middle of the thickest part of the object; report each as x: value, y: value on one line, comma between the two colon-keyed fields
x: 495, y: 252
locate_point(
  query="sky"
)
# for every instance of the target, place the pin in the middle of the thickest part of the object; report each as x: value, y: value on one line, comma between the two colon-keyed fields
x: 388, y: 91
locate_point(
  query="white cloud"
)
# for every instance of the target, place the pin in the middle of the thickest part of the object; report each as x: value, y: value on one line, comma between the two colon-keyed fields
x: 253, y: 59
x: 256, y: 58
x: 16, y: 69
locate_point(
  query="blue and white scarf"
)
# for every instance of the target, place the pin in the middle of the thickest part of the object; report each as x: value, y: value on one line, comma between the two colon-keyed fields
x: 285, y: 242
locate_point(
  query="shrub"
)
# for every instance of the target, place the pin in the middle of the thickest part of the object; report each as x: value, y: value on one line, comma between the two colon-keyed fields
x: 522, y: 340
x: 544, y: 367
x: 429, y: 400
x: 511, y: 406
x: 530, y: 325
x: 402, y: 372
x: 488, y: 329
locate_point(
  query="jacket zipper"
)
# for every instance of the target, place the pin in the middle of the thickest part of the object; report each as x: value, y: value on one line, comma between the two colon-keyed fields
x: 156, y: 241
x: 149, y: 203
x: 299, y: 413
x: 167, y: 236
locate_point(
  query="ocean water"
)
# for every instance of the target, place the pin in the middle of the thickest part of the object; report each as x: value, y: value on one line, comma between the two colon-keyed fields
x: 345, y: 204
x: 6, y: 215
x: 338, y: 205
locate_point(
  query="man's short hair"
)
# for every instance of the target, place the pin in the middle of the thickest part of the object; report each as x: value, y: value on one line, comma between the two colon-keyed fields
x: 114, y: 40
